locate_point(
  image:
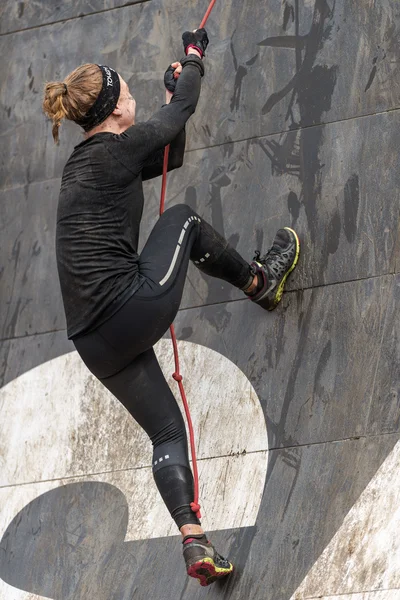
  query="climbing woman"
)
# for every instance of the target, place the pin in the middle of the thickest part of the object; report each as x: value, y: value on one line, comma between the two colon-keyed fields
x: 119, y: 303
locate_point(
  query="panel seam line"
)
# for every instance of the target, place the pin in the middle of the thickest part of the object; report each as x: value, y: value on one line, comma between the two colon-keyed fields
x: 234, y: 300
x: 349, y: 594
x: 97, y: 12
x: 230, y: 455
x: 237, y: 141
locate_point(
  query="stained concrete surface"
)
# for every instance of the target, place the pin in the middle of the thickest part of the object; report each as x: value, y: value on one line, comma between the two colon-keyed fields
x: 347, y: 227
x: 324, y: 367
x: 18, y: 355
x: 83, y: 430
x: 18, y: 16
x: 263, y: 86
x: 297, y: 125
x: 294, y: 525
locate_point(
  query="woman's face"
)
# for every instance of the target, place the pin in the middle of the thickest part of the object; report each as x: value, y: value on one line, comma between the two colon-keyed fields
x: 127, y: 105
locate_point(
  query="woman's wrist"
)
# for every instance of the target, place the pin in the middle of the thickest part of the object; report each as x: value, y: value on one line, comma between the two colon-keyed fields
x: 194, y: 51
x: 168, y: 96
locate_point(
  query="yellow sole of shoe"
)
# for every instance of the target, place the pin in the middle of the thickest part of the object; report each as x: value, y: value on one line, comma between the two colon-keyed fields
x: 206, y: 572
x: 279, y: 291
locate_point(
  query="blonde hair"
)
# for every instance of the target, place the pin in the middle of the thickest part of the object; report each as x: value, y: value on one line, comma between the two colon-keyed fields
x: 72, y: 98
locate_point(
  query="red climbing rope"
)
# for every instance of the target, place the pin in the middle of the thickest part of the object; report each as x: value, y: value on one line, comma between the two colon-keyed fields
x: 195, y: 506
x: 208, y: 12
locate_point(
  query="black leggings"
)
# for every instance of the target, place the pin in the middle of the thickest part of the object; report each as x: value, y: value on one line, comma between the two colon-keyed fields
x: 120, y: 354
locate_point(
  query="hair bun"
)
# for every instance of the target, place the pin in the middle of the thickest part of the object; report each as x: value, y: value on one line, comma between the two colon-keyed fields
x: 71, y: 99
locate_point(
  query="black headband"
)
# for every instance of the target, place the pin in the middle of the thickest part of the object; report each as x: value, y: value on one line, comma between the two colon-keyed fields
x: 105, y: 102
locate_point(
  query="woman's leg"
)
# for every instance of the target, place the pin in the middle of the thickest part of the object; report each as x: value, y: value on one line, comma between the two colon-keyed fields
x: 181, y: 235
x: 120, y: 353
x: 141, y: 387
x: 143, y: 390
x: 178, y: 236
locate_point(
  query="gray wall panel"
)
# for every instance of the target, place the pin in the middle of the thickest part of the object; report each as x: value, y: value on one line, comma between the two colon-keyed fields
x: 324, y: 364
x: 344, y: 207
x: 30, y: 293
x: 22, y: 354
x: 308, y: 500
x: 255, y: 86
x: 309, y: 492
x: 16, y: 16
x: 28, y: 152
x: 297, y: 125
x: 338, y: 185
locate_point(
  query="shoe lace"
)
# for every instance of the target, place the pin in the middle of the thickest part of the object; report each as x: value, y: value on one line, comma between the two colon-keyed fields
x: 273, y: 252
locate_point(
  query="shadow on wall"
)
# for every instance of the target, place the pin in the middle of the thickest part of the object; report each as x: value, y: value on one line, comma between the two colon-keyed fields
x: 310, y: 93
x: 68, y: 544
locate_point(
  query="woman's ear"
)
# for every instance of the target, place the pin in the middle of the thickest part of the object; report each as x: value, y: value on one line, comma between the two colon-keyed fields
x: 117, y: 111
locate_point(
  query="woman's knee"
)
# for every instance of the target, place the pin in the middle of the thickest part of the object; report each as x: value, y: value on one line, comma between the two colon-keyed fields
x: 173, y: 432
x: 181, y: 212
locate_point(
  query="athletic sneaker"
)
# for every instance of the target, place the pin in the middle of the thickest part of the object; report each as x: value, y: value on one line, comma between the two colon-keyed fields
x: 274, y: 267
x: 202, y: 560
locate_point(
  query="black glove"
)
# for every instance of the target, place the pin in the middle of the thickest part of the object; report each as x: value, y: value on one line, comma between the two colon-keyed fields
x: 197, y: 39
x: 169, y: 79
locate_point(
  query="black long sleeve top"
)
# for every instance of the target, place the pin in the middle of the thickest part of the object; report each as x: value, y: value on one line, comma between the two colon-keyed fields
x: 101, y: 204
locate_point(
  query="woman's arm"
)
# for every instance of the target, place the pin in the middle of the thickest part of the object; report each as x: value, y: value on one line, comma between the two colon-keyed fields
x: 138, y: 143
x: 154, y: 165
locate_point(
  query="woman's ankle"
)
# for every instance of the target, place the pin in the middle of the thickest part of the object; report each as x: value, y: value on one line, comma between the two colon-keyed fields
x: 191, y: 529
x: 253, y: 287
